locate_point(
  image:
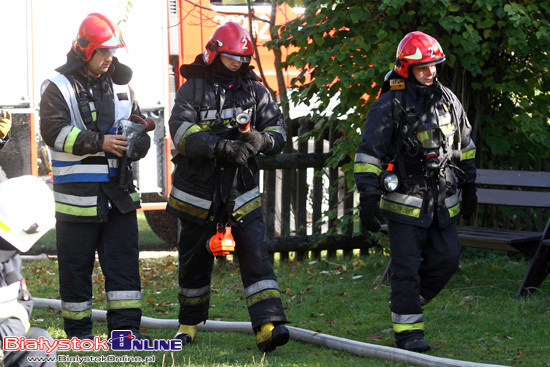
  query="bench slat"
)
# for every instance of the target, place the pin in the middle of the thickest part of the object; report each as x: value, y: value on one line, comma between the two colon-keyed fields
x: 532, y: 199
x: 513, y: 178
x: 499, y: 239
x: 509, y: 236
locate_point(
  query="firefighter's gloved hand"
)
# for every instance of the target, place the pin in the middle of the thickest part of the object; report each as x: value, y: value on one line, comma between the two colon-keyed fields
x: 141, y: 147
x: 5, y: 123
x: 259, y: 140
x: 370, y: 213
x: 234, y: 151
x: 469, y: 201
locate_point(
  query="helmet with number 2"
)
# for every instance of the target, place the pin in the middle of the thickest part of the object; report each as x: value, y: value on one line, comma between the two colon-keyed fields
x: 416, y: 49
x: 231, y: 40
x: 96, y: 31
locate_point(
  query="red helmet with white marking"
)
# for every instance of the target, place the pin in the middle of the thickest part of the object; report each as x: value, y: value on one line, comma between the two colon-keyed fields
x: 96, y: 31
x: 231, y: 40
x: 416, y: 49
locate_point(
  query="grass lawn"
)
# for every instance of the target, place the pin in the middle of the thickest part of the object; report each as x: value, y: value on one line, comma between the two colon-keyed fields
x: 476, y: 317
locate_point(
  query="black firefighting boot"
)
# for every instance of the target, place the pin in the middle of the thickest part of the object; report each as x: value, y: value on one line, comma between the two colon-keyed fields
x: 269, y: 336
x: 412, y: 341
x: 186, y: 333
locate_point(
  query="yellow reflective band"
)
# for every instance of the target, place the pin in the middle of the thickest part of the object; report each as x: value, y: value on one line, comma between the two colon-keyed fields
x: 125, y: 303
x: 267, y: 294
x: 400, y: 209
x: 187, y: 208
x: 398, y: 328
x: 247, y: 208
x: 366, y: 167
x: 135, y: 197
x: 205, y: 125
x: 76, y: 315
x: 4, y: 227
x: 70, y: 140
x: 470, y: 154
x: 193, y: 129
x: 194, y: 300
x: 454, y: 210
x: 76, y: 210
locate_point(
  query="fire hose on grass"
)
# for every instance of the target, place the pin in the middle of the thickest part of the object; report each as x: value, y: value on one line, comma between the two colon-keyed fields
x: 298, y: 334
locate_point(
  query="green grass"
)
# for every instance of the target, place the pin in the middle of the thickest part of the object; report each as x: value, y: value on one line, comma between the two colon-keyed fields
x: 476, y: 318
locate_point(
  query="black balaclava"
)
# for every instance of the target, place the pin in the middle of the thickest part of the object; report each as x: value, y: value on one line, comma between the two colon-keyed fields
x: 222, y: 74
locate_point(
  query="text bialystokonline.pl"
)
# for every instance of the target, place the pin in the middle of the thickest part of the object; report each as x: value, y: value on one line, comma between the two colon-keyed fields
x: 121, y: 340
x: 93, y: 359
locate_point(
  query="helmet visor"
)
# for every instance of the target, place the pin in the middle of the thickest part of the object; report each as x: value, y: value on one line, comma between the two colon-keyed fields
x: 243, y: 59
x: 115, y: 41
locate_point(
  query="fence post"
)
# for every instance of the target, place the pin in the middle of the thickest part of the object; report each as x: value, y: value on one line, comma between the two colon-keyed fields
x: 333, y: 182
x: 301, y: 200
x: 317, y: 197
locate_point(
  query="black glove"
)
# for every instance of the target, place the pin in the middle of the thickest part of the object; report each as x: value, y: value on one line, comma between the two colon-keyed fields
x: 370, y: 213
x: 259, y: 140
x: 141, y: 147
x: 234, y: 151
x: 469, y: 201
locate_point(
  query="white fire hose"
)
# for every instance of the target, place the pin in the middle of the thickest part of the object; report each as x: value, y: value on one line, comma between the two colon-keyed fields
x: 302, y: 335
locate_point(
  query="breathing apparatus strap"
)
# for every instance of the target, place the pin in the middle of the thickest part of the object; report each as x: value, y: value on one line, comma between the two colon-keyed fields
x: 198, y: 93
x: 457, y: 141
x: 232, y: 195
x: 399, y: 116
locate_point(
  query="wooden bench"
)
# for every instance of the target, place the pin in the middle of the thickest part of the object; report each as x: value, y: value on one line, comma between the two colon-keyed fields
x: 521, y: 189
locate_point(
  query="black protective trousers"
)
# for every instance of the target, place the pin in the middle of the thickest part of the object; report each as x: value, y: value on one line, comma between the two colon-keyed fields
x: 116, y: 243
x: 422, y: 262
x: 196, y: 265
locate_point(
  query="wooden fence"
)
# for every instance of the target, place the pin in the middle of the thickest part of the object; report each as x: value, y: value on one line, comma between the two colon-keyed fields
x: 298, y: 189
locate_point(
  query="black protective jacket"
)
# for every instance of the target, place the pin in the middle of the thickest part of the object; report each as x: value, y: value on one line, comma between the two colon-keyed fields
x: 83, y: 199
x: 421, y: 194
x: 196, y: 129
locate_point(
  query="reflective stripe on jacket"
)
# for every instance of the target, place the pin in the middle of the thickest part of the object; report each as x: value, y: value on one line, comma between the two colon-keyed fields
x: 420, y: 195
x: 195, y: 131
x: 82, y: 173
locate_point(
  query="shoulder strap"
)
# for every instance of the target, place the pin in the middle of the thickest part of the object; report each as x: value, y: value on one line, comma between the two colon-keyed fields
x: 250, y: 86
x: 198, y: 93
x: 457, y: 142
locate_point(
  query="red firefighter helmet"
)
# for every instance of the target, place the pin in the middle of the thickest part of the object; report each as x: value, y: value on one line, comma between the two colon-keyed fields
x: 96, y: 31
x: 415, y: 49
x: 230, y: 39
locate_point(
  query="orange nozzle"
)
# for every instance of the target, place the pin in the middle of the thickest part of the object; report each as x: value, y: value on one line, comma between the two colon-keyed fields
x: 222, y: 243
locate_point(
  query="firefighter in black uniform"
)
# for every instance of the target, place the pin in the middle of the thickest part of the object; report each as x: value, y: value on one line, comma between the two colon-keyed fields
x: 84, y: 114
x: 415, y: 157
x: 216, y: 180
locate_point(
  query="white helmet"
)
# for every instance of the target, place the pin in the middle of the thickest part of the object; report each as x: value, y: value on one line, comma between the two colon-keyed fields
x: 27, y: 211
